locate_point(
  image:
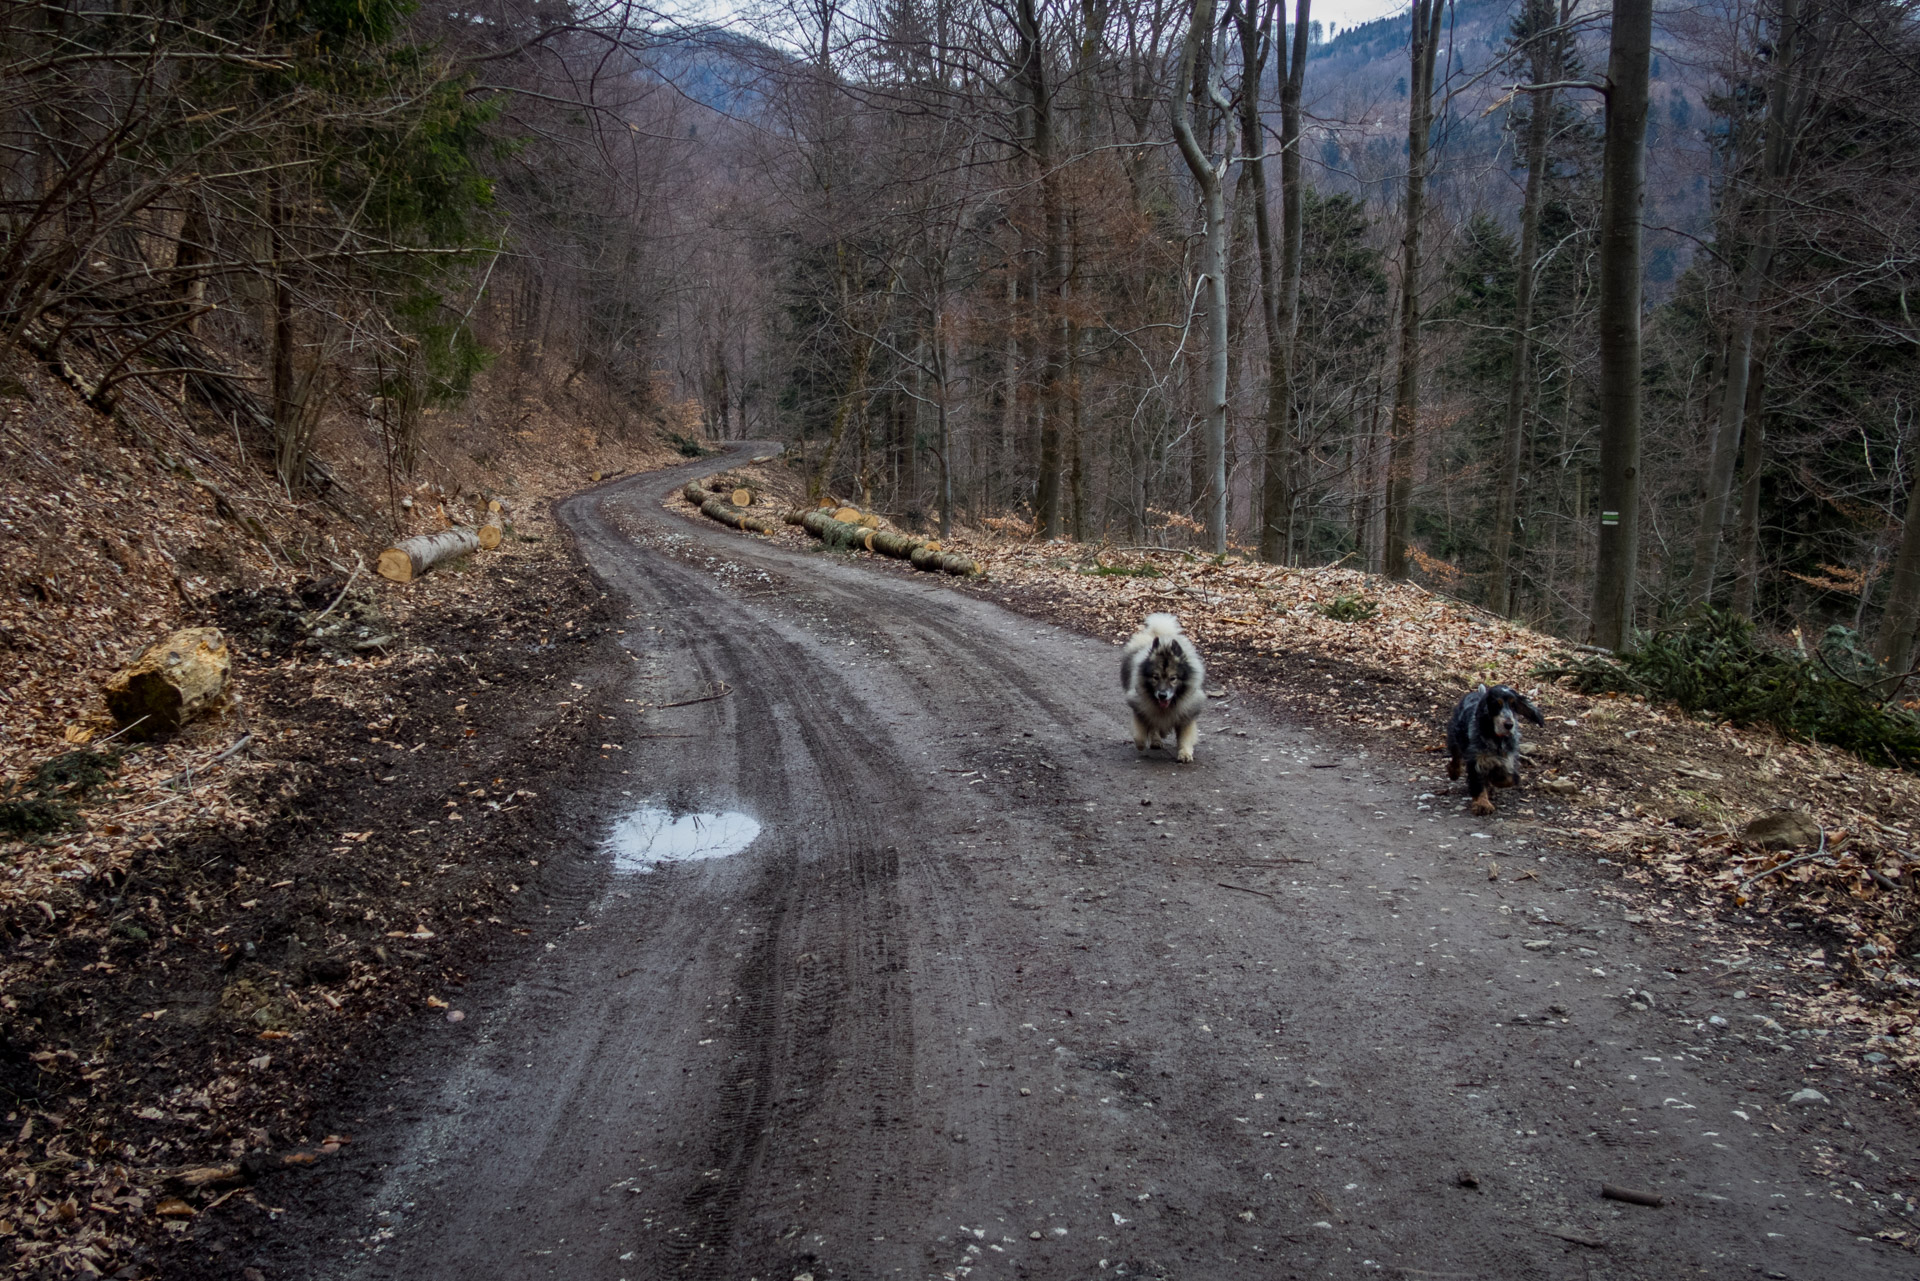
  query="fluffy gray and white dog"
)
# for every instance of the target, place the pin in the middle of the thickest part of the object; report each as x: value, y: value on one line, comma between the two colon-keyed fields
x: 1163, y: 676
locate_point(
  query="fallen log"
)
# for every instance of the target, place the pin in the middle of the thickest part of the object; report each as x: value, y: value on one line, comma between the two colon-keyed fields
x: 714, y: 507
x: 921, y: 553
x: 409, y: 558
x: 170, y: 682
x: 932, y: 558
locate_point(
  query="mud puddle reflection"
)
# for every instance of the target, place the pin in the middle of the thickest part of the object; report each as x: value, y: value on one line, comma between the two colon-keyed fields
x: 652, y: 835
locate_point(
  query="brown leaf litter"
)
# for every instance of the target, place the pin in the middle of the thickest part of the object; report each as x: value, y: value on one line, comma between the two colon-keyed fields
x: 205, y: 940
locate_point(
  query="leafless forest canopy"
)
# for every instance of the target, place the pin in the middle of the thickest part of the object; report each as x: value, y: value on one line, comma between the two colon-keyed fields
x: 1145, y: 272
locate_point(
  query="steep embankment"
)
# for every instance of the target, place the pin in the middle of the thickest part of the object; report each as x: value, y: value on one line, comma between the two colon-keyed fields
x: 199, y: 945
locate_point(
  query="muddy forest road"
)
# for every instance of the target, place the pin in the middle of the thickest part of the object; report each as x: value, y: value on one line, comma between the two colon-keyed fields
x: 971, y: 1006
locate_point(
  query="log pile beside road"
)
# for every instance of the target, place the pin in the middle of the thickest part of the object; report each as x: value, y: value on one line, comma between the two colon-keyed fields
x: 714, y: 507
x: 922, y: 553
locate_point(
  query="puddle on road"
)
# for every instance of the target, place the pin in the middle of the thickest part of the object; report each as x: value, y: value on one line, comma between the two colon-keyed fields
x: 650, y: 836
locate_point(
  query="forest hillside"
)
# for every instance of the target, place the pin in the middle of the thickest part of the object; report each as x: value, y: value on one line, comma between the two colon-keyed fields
x: 1565, y: 344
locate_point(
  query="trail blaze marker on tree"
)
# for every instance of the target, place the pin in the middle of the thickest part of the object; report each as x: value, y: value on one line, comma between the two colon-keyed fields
x: 1609, y: 518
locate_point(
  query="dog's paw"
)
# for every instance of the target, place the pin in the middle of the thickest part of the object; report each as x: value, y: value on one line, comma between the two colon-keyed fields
x: 1185, y: 758
x: 1453, y: 769
x: 1482, y: 805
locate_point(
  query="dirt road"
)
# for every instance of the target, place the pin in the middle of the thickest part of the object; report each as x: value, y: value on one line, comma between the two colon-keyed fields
x: 990, y: 996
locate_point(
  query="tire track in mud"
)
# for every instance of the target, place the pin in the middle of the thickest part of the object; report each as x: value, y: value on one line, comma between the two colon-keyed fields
x: 804, y: 1026
x: 967, y: 1003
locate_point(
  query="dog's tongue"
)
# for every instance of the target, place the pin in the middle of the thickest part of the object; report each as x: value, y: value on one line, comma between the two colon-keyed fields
x: 1163, y: 700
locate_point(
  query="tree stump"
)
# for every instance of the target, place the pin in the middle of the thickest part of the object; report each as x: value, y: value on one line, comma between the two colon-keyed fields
x: 409, y: 558
x: 171, y: 682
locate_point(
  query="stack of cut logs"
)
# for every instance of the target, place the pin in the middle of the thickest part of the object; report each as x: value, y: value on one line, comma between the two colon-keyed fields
x: 843, y: 526
x: 733, y: 513
x: 849, y: 527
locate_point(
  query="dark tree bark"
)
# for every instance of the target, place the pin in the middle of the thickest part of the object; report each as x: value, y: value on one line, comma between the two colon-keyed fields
x: 1052, y: 287
x: 1546, y: 62
x: 1753, y: 460
x: 1194, y: 77
x: 1404, y: 429
x: 1777, y: 156
x: 1624, y: 165
x: 1280, y: 297
x: 1894, y: 647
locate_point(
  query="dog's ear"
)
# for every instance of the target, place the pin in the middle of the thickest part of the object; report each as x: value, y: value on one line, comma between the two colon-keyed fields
x: 1482, y: 691
x: 1531, y: 712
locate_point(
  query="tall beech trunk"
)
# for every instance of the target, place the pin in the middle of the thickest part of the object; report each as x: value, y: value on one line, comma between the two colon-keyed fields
x: 1051, y: 288
x: 1776, y: 157
x: 1546, y: 65
x: 1403, y: 431
x: 1213, y: 264
x: 1753, y: 460
x: 1280, y: 297
x: 1894, y: 646
x: 1624, y: 166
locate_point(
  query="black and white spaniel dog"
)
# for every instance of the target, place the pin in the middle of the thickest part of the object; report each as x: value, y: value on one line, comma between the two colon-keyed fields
x: 1483, y: 736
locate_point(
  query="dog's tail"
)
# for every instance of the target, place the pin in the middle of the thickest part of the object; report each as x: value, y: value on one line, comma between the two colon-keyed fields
x: 1161, y: 626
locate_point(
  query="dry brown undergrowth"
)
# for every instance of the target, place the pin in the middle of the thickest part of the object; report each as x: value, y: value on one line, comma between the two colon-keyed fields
x: 114, y: 532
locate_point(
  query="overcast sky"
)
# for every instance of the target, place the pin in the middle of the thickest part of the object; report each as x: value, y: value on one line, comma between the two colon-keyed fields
x: 1339, y: 14
x: 1347, y: 13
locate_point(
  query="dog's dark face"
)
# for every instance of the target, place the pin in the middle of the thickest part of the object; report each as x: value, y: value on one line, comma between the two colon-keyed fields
x: 1164, y: 674
x: 1502, y: 710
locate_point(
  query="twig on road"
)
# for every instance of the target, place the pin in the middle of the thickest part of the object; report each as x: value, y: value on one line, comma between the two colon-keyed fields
x: 186, y: 775
x: 725, y: 689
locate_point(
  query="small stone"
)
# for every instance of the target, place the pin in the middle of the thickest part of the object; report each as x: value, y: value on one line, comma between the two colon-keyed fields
x: 1807, y: 1096
x: 1537, y: 945
x: 456, y: 1016
x: 1146, y: 800
x: 1034, y: 1235
x: 1466, y: 1179
x: 1716, y: 1020
x: 1876, y: 1057
x: 1783, y: 829
x: 1635, y: 918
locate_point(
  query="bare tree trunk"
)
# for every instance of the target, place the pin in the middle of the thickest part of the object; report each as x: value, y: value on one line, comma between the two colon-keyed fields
x: 1624, y: 164
x: 1753, y: 459
x: 1406, y: 394
x: 1210, y: 181
x: 1281, y: 297
x: 1545, y: 67
x: 1754, y: 273
x: 1894, y: 647
x: 854, y: 397
x: 1050, y: 291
